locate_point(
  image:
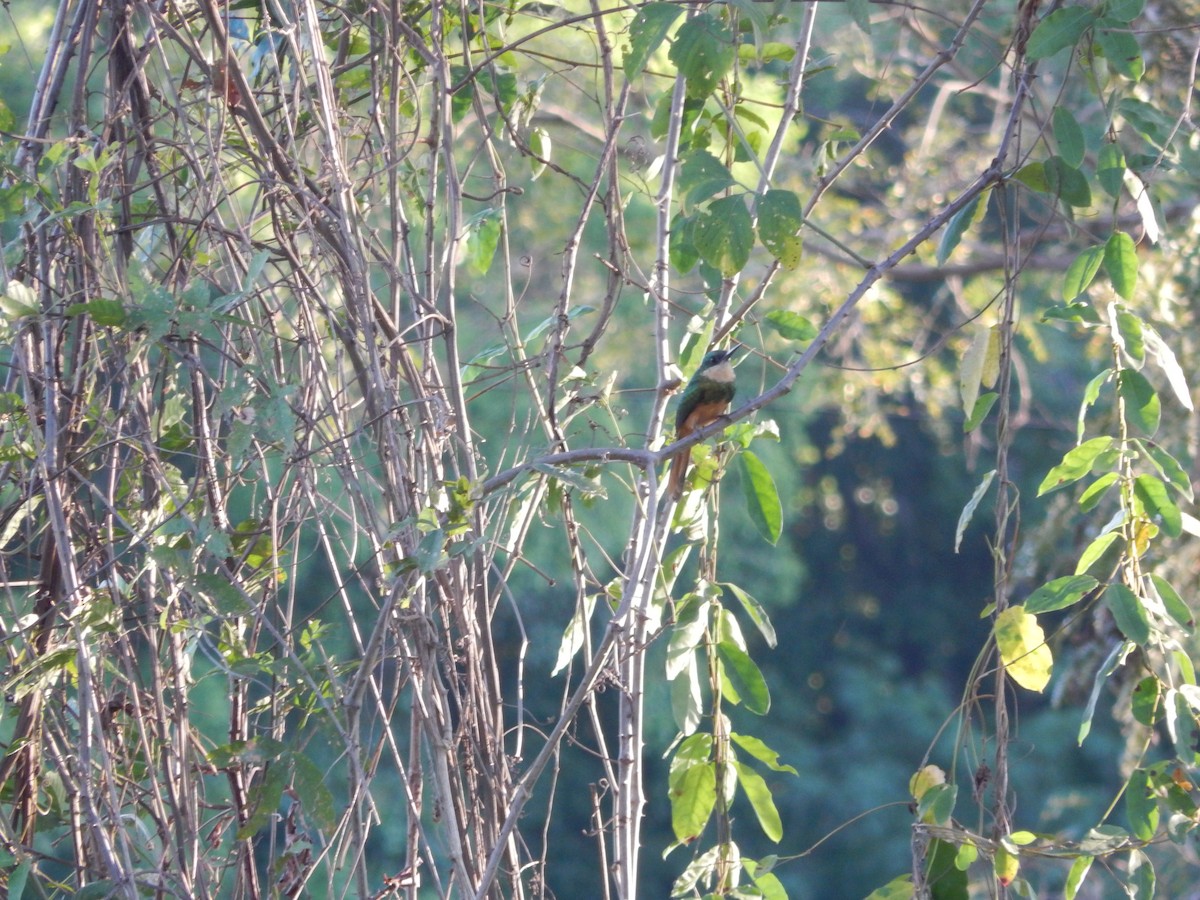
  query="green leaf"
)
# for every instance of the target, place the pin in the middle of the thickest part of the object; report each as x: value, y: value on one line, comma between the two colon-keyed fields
x: 1165, y: 357
x: 1075, y: 877
x: 964, y: 518
x: 704, y: 52
x: 762, y: 498
x: 1095, y: 550
x: 1033, y: 176
x: 539, y: 146
x: 966, y: 856
x: 1075, y: 464
x: 1140, y: 885
x: 779, y: 220
x: 936, y: 805
x: 1158, y: 504
x: 761, y: 752
x: 759, y: 795
x: 1067, y: 182
x: 899, y: 888
x: 1142, y: 406
x: 1060, y: 593
x: 702, y: 175
x: 957, y: 227
x: 103, y: 312
x: 1148, y: 120
x: 1122, y: 51
x: 1123, y: 10
x: 647, y: 31
x: 1068, y: 136
x: 1147, y: 701
x: 745, y: 677
x: 1110, y: 169
x: 483, y: 235
x: 983, y: 406
x: 1061, y: 29
x: 1121, y: 263
x: 1023, y: 649
x: 945, y: 879
x: 756, y: 612
x: 1173, y: 603
x: 724, y: 235
x: 15, y: 887
x: 1129, y: 329
x: 790, y: 325
x: 1128, y: 612
x: 1141, y: 806
x: 308, y: 781
x: 1082, y: 272
x: 683, y: 252
x: 693, y: 792
x: 1090, y: 395
x: 686, y: 697
x: 1114, y: 659
x: 1096, y: 490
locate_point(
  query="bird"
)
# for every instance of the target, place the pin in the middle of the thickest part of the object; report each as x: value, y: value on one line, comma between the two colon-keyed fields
x: 705, y: 399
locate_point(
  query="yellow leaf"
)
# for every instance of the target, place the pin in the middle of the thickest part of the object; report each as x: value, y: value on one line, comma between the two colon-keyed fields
x: 1023, y: 648
x: 924, y: 779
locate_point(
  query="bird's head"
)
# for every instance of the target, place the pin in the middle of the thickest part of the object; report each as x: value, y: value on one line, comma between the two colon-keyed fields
x: 716, y: 357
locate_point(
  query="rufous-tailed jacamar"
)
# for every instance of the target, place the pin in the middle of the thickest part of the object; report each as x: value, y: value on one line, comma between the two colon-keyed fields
x: 705, y: 399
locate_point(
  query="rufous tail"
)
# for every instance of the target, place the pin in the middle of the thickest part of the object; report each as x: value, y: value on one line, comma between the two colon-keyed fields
x: 679, y: 467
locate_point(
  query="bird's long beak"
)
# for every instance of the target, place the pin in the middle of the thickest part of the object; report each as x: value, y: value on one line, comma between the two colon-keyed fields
x: 733, y: 351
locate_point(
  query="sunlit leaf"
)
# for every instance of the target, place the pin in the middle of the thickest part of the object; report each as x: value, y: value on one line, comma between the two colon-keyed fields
x: 779, y: 220
x: 701, y: 176
x: 759, y: 795
x: 1096, y: 490
x: 1158, y: 504
x: 1129, y: 329
x: 693, y: 792
x: 647, y: 31
x: 1075, y: 464
x: 1142, y: 406
x: 1122, y: 51
x: 760, y: 751
x: 1121, y: 263
x: 968, y: 511
x: 1081, y: 272
x: 1165, y: 357
x: 703, y: 51
x: 756, y: 612
x: 1146, y: 703
x: 1006, y: 864
x: 762, y: 497
x: 1023, y: 649
x: 483, y: 235
x: 899, y: 888
x: 1060, y: 593
x: 790, y: 325
x: 746, y: 678
x: 724, y: 235
x: 1173, y: 603
x: 1095, y: 550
